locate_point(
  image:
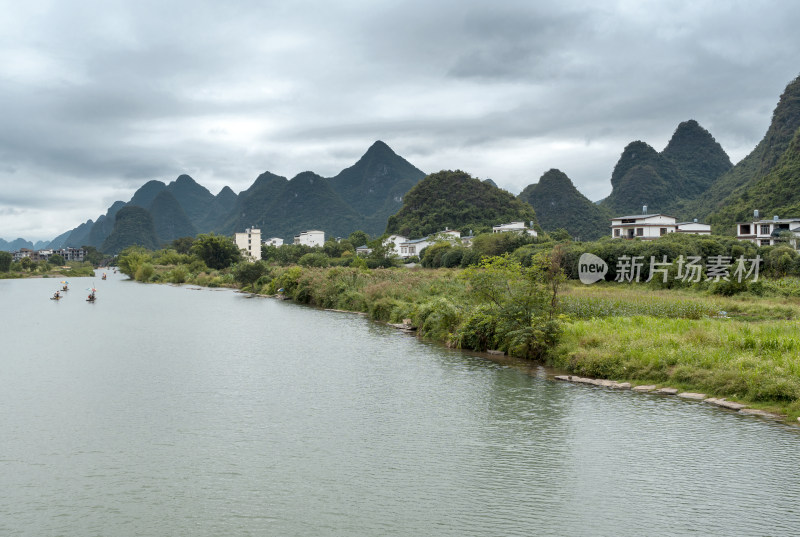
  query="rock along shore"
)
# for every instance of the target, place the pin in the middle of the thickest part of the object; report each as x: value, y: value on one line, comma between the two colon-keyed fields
x: 692, y: 396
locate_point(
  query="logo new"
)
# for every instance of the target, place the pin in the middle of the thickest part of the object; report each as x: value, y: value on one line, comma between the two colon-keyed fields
x: 591, y: 268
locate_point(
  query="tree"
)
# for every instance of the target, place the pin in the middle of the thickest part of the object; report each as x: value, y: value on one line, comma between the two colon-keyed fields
x: 519, y: 301
x: 248, y: 273
x: 56, y: 259
x: 5, y: 261
x: 358, y: 238
x: 182, y: 245
x: 27, y: 263
x: 216, y: 251
x: 93, y: 255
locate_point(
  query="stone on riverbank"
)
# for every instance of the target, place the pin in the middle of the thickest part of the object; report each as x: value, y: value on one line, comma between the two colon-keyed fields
x: 667, y: 391
x: 644, y: 388
x: 496, y: 353
x: 725, y: 404
x: 562, y: 377
x: 692, y: 396
x: 761, y: 413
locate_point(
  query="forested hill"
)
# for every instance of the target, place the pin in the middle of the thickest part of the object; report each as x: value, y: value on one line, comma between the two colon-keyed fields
x: 777, y: 193
x: 666, y: 181
x: 559, y: 205
x: 132, y: 225
x: 455, y: 200
x: 732, y: 188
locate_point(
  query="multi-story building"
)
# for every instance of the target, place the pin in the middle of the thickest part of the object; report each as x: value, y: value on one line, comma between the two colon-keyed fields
x: 311, y: 237
x: 769, y: 232
x: 249, y: 242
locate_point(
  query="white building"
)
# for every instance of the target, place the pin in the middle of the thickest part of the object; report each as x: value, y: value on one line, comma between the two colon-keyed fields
x: 767, y: 232
x: 518, y: 227
x: 643, y: 226
x: 312, y: 237
x: 393, y: 242
x: 274, y: 241
x: 695, y: 228
x: 414, y: 247
x: 250, y: 243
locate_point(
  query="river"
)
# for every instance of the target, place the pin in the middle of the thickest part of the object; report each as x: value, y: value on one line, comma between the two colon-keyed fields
x: 163, y: 410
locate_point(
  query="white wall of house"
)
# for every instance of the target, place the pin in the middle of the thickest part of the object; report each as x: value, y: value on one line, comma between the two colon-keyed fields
x: 519, y: 227
x: 274, y: 241
x: 312, y: 237
x: 760, y: 231
x: 249, y: 242
x: 393, y: 242
x: 643, y: 226
x: 694, y: 228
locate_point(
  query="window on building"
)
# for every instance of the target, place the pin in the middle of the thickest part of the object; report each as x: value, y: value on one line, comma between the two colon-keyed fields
x: 640, y: 232
x: 764, y: 242
x: 663, y: 231
x: 616, y: 233
x: 744, y: 229
x: 765, y: 229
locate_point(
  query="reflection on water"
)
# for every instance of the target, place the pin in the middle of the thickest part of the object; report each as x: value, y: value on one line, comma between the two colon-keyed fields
x: 165, y: 410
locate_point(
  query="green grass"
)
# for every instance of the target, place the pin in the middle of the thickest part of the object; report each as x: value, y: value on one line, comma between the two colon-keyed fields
x: 752, y: 362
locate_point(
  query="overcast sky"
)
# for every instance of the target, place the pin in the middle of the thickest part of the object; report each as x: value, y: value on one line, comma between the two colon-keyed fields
x: 96, y: 98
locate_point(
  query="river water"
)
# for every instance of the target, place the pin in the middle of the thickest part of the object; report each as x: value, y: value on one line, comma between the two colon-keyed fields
x: 162, y: 410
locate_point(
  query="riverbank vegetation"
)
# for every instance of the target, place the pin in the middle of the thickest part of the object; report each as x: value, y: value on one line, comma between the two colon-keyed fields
x: 28, y: 268
x: 724, y: 338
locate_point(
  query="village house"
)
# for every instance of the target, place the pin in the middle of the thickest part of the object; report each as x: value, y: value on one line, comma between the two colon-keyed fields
x: 250, y: 243
x: 652, y: 226
x: 274, y: 241
x: 693, y: 227
x: 518, y: 227
x: 311, y: 237
x: 769, y: 232
x: 392, y: 244
x: 413, y: 247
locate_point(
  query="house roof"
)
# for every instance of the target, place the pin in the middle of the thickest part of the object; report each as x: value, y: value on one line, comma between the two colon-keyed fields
x: 414, y: 241
x: 641, y: 216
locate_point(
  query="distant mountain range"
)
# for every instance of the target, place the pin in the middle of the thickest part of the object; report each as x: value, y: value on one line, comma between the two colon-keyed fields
x: 691, y: 178
x: 362, y: 196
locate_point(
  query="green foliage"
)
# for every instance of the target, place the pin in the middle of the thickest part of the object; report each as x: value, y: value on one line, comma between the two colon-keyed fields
x: 521, y: 304
x: 247, y: 273
x: 93, y: 255
x: 216, y: 251
x: 316, y: 259
x: 358, y: 238
x: 183, y: 245
x: 144, y: 273
x: 454, y: 199
x: 493, y: 244
x: 56, y: 259
x: 131, y: 258
x: 5, y: 261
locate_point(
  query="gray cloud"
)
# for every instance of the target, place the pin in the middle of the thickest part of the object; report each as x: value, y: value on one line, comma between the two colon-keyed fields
x: 98, y: 97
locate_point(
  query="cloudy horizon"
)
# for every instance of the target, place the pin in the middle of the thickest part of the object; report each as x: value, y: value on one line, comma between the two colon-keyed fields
x: 98, y: 98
